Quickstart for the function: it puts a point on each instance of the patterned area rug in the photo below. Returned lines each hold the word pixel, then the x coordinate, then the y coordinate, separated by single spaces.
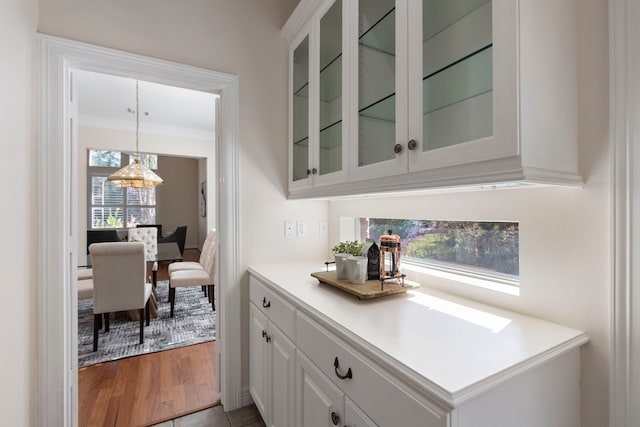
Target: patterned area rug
pixel 193 323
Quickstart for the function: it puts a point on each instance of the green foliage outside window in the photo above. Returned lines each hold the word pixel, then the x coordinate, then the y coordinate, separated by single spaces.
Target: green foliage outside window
pixel 484 246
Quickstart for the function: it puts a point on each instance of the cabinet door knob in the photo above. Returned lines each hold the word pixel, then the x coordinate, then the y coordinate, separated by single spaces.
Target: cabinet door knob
pixel 335 418
pixel 412 144
pixel 397 148
pixel 266 304
pixel 314 171
pixel 336 365
pixel 308 172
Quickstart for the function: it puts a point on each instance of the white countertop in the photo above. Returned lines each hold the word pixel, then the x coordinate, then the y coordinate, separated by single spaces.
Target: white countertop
pixel 457 347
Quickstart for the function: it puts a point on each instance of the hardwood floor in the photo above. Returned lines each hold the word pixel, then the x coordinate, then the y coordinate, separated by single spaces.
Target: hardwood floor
pixel 149 389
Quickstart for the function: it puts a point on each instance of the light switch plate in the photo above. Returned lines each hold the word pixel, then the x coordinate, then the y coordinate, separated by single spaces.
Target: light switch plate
pixel 302 228
pixel 290 229
pixel 324 228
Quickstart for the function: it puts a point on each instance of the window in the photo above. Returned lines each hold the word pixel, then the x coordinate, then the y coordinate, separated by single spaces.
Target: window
pixel 111 206
pixel 478 248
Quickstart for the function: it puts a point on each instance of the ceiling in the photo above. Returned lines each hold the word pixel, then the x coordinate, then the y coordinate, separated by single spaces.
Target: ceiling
pixel 104 100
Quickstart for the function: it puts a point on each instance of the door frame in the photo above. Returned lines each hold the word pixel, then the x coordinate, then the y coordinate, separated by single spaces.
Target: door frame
pixel 624 65
pixel 57 375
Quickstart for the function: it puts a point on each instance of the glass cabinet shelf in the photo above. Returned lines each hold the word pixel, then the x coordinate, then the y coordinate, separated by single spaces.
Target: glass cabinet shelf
pixel 381 34
pixel 331 80
pixel 302 91
pixel 304 142
pixel 383 109
pixel 461 80
pixel 438 15
pixel 330 136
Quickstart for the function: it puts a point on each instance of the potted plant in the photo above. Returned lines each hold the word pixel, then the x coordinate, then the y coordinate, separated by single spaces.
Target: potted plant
pixel 352 248
pixel 342 251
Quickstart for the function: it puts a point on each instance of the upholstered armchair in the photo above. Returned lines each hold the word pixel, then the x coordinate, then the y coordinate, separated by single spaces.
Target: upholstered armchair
pixel 200 277
pixel 119 283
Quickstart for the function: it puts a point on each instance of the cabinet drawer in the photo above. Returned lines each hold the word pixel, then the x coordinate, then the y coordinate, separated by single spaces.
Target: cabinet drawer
pixel 280 312
pixel 374 391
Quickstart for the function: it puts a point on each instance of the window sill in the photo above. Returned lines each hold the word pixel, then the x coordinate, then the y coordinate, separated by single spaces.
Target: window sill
pixel 417 272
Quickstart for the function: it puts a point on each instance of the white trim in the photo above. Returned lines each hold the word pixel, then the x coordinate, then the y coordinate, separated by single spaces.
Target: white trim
pixel 624 62
pixel 57 197
pixel 246 397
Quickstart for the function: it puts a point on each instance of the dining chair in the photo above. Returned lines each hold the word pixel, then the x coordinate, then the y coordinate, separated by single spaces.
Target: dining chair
pixel 148 236
pixel 99 236
pixel 85 273
pixel 85 289
pixel 156 226
pixel 119 283
pixel 179 236
pixel 201 277
pixel 195 265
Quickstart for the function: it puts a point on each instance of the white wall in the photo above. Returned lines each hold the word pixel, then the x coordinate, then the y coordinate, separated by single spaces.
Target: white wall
pixel 178 197
pixel 187 203
pixel 239 37
pixel 565 248
pixel 18 20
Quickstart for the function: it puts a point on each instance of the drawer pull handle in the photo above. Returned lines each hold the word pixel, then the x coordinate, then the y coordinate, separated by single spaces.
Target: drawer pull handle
pixel 335 418
pixel 336 365
pixel 266 304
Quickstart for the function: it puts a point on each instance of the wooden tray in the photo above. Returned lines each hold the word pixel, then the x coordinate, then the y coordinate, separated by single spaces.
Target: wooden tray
pixel 369 289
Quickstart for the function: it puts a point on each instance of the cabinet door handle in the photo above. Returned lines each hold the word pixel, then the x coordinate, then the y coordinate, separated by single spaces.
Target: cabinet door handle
pixel 264 333
pixel 336 365
pixel 308 172
pixel 268 338
pixel 266 304
pixel 335 418
pixel 412 145
pixel 314 171
pixel 397 148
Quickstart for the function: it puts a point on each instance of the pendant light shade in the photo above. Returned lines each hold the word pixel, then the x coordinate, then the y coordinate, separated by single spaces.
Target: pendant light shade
pixel 136 174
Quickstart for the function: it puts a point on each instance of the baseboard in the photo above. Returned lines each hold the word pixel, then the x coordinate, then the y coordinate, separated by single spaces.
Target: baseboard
pixel 245 397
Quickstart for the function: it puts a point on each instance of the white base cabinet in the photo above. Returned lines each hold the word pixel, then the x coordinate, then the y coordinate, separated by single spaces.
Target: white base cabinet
pixel 272 367
pixel 323 358
pixel 320 403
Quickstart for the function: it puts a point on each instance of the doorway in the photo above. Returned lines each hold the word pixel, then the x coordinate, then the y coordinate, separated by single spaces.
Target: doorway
pixel 57 222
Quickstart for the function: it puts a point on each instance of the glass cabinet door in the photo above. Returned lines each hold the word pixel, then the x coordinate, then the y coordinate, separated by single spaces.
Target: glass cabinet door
pixel 376 81
pixel 300 111
pixel 330 150
pixel 457 72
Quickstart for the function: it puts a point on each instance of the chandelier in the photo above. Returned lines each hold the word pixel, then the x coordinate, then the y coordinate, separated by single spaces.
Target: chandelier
pixel 136 174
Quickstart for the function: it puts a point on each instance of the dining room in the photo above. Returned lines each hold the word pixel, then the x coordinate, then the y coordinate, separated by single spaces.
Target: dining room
pixel 171 132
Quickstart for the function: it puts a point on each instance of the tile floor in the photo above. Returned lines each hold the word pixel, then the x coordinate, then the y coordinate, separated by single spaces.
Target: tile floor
pixel 217 417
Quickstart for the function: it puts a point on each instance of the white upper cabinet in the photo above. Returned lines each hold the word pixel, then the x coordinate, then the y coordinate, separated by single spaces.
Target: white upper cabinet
pixel 412 94
pixel 318 154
